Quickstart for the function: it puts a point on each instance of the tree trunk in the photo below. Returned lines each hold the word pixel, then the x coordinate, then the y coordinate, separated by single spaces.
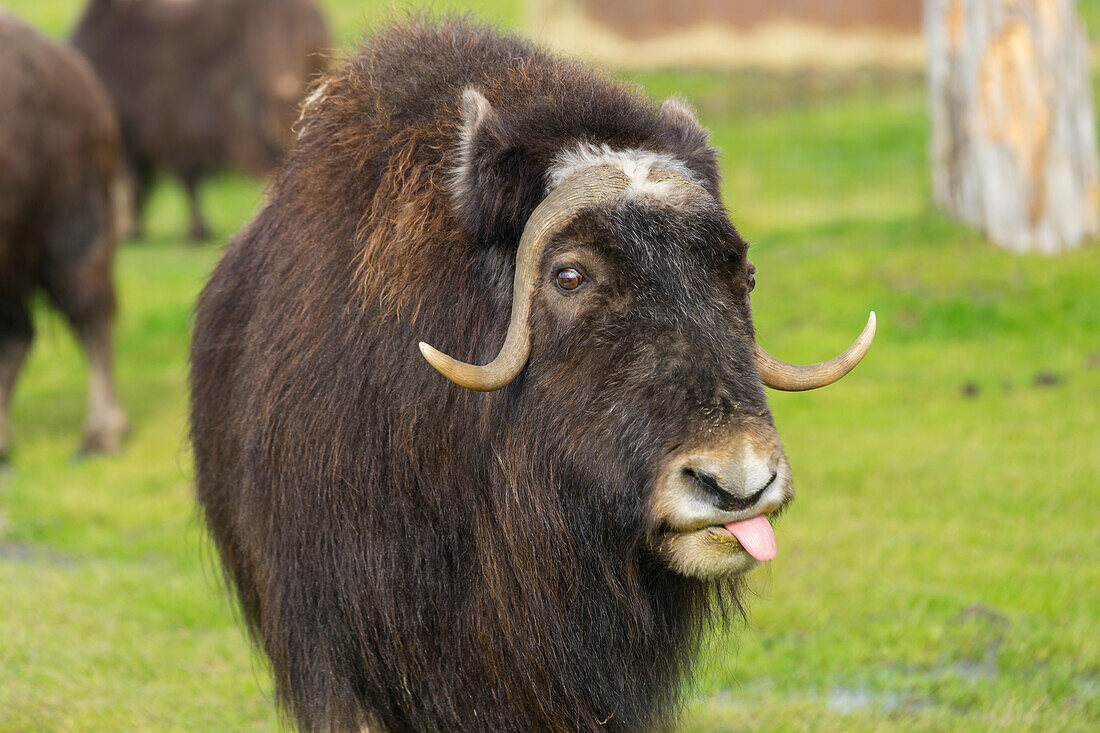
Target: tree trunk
pixel 1013 130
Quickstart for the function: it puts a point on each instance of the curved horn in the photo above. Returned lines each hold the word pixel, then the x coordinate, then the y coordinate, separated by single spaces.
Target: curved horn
pixel 792 378
pixel 586 188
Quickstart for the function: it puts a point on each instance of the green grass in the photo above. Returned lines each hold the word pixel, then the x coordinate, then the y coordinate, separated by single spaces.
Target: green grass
pixel 940 569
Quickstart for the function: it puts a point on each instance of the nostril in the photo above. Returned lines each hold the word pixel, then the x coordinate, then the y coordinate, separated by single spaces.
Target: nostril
pixel 725 499
pixel 708 481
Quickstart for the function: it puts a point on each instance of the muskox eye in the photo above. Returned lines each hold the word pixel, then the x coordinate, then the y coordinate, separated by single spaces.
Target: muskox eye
pixel 569 279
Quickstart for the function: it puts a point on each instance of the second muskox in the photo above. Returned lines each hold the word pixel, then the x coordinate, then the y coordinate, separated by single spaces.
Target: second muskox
pixel 60 160
pixel 536 544
pixel 203 85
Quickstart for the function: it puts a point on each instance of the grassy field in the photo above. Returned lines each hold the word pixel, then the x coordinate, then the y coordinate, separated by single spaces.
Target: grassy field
pixel 940 569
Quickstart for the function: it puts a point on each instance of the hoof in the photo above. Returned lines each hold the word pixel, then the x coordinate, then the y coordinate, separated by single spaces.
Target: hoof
pixel 105 438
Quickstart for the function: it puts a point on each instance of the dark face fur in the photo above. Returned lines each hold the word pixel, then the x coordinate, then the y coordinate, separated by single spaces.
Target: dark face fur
pixel 641 378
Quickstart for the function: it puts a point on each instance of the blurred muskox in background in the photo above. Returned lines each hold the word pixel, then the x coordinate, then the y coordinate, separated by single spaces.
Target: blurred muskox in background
pixel 203 85
pixel 60 160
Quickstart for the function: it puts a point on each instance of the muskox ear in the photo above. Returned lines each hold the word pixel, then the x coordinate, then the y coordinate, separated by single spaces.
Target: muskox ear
pixel 689 138
pixel 477 136
pixel 677 118
pixel 494 185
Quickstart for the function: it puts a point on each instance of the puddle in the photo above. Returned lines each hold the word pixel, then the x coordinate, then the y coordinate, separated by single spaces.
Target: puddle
pixel 971 671
pixel 979 612
pixel 28 555
pixel 842 699
pixel 905 682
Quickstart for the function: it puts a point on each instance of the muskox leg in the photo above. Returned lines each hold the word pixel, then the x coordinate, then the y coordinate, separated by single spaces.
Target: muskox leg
pixel 83 292
pixel 106 426
pixel 143 177
pixel 199 231
pixel 15 340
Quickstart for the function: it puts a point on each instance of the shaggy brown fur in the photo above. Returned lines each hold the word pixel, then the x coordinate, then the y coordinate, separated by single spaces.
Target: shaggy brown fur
pixel 202 85
pixel 416 556
pixel 59 159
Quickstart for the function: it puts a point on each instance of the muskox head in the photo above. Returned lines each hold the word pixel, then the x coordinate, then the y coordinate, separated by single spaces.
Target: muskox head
pixel 630 357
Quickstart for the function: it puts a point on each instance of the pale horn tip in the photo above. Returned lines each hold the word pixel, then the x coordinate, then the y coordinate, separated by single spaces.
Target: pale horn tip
pixel 485 378
pixel 442 363
pixel 855 353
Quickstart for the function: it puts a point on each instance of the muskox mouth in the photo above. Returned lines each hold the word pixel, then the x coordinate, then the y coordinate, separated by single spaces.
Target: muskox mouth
pixel 755 536
pixel 723 549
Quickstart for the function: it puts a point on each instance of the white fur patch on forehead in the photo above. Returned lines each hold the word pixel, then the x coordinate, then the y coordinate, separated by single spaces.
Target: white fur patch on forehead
pixel 634 162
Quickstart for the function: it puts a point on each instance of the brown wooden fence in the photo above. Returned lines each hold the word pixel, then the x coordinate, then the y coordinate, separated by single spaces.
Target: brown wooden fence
pixel 734 32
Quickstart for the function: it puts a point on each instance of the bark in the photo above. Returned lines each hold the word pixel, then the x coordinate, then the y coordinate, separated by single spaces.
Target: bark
pixel 1013 128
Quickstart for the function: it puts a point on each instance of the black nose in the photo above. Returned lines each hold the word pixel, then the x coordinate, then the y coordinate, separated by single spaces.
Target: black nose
pixel 727 498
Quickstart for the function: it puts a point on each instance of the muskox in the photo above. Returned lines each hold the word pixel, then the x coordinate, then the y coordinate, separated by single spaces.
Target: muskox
pixel 60 156
pixel 536 543
pixel 203 85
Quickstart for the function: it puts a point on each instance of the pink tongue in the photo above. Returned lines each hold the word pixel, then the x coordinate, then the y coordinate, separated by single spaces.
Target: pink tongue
pixel 756 536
